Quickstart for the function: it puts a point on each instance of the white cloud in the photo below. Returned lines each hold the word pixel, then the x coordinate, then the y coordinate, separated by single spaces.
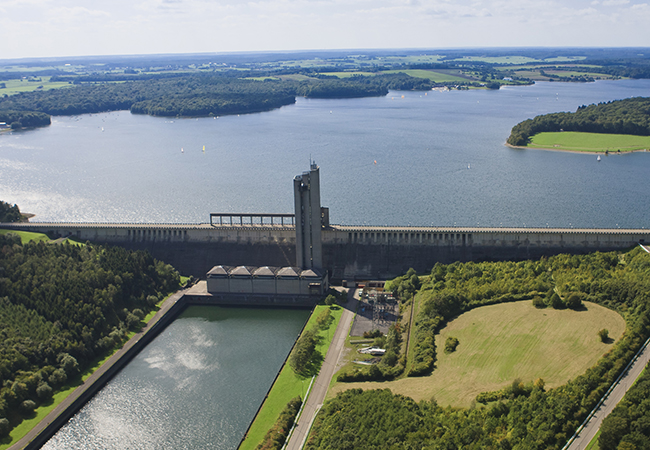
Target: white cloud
pixel 73 27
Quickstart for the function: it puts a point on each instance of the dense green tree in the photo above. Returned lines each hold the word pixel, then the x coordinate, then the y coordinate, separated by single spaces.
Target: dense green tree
pixel 527 416
pixel 61 306
pixel 628 116
pixel 9 213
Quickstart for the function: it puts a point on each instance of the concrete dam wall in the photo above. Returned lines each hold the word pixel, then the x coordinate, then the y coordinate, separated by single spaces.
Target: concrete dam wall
pixel 348 251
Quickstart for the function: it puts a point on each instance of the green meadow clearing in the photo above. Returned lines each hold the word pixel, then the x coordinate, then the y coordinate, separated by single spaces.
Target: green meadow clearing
pixel 589 142
pixel 500 343
pixel 435 76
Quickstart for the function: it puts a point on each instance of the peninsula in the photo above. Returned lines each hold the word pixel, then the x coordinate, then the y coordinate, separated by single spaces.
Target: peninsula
pixel 618 126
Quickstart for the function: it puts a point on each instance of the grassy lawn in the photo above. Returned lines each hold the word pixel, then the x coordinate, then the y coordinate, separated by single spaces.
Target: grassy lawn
pixel 288 384
pixel 499 343
pixel 27 236
pixel 589 142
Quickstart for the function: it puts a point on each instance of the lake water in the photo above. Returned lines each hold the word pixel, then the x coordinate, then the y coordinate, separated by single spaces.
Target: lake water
pixel 440 160
pixel 196 386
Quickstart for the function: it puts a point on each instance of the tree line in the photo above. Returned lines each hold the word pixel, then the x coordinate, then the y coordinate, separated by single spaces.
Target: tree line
pixel 61 307
pixel 628 116
pixel 191 95
pixel 9 213
pixel 525 414
pixel 24 119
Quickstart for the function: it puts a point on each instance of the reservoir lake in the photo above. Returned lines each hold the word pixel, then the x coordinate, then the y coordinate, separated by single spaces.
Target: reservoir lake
pixel 440 160
pixel 409 158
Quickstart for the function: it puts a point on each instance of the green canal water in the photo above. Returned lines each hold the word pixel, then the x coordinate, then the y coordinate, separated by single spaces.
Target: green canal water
pixel 198 385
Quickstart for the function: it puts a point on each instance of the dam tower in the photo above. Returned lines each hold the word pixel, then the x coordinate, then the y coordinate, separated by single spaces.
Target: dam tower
pixel 310 218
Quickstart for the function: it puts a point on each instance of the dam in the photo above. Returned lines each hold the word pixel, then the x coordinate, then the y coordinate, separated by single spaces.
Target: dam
pixel 348 252
pixel 306 240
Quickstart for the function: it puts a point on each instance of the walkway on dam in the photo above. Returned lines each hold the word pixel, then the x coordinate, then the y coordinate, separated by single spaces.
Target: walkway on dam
pixel 319 389
pixel 88 384
pixel 586 434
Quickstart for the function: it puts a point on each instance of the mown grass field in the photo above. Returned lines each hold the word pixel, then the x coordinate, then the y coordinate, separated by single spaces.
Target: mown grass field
pixel 590 142
pixel 435 76
pixel 500 343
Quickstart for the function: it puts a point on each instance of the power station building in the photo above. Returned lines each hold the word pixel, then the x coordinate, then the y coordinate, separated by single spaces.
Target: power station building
pixel 307 278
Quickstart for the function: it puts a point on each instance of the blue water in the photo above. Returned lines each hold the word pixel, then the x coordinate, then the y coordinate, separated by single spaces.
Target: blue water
pixel 440 160
pixel 196 386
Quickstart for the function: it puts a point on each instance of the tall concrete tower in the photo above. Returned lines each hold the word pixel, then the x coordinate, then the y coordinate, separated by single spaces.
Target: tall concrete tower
pixel 306 191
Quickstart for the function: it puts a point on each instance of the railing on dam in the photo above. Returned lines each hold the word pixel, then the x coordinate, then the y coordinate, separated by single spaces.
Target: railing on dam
pixel 241 219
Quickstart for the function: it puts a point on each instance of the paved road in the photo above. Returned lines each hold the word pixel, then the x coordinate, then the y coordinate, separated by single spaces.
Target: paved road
pixel 589 431
pixel 95 376
pixel 319 389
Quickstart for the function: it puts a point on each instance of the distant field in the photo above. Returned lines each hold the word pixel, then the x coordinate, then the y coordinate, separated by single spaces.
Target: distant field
pixel 435 76
pixel 589 142
pixel 499 343
pixel 349 74
pixel 16 86
pixel 499 59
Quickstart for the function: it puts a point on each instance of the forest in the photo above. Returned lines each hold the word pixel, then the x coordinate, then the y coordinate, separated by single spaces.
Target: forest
pixel 191 95
pixel 9 213
pixel 628 426
pixel 527 416
pixel 628 116
pixel 24 119
pixel 63 306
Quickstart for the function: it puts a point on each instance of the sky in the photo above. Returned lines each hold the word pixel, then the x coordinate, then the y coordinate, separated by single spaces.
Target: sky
pixel 49 28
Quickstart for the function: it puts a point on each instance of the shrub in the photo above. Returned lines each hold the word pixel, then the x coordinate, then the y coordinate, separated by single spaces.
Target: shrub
pixel 603 335
pixel 303 352
pixel 44 391
pixel 450 344
pixel 372 334
pixel 556 301
pixel 574 301
pixel 277 435
pixel 4 427
pixel 324 319
pixel 538 302
pixel 27 407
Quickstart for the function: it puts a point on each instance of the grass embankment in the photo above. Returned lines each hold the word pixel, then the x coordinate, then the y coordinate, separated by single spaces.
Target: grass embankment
pixel 574 141
pixel 42 411
pixel 289 384
pixel 500 343
pixel 27 236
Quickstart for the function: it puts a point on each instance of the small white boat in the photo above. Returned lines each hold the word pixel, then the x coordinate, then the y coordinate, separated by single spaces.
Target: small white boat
pixel 598 159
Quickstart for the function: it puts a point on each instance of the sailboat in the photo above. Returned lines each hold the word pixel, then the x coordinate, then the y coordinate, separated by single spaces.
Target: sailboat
pixel 204 149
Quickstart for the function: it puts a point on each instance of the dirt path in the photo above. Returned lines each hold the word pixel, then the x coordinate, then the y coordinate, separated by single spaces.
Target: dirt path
pixel 319 389
pixel 61 408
